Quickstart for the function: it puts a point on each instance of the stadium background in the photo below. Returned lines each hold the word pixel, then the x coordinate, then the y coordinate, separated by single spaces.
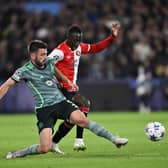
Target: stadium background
pixel 107 78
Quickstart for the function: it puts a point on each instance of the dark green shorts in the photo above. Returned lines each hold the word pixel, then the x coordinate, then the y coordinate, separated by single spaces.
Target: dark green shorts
pixel 47 116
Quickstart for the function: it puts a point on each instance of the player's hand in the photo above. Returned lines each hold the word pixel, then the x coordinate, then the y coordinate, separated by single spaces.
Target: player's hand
pixel 115 28
pixel 74 87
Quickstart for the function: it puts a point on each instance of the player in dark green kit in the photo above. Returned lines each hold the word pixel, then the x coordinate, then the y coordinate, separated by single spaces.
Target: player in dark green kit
pixel 51 105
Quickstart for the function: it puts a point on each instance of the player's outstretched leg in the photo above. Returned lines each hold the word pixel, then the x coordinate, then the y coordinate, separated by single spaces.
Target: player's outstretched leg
pixel 33 149
pixel 79 118
pixel 45 137
pixel 101 131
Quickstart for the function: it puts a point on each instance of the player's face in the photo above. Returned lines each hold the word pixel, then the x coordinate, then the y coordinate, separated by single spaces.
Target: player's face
pixel 39 57
pixel 74 40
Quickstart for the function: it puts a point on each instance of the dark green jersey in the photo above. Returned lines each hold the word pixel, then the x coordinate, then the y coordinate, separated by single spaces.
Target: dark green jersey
pixel 42 83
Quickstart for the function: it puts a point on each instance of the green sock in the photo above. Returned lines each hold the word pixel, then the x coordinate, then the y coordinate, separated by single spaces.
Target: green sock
pixel 27 151
pixel 100 131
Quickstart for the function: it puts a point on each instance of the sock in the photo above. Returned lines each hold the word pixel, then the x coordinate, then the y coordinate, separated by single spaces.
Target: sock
pixel 79 130
pixel 100 131
pixel 63 130
pixel 27 151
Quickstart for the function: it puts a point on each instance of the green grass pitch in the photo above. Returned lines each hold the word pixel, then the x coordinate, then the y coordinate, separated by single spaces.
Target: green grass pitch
pixel 19 131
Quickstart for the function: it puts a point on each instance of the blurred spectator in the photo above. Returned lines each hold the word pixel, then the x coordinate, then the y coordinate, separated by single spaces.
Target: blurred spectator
pixel 142 49
pixel 144 34
pixel 164 87
pixel 144 89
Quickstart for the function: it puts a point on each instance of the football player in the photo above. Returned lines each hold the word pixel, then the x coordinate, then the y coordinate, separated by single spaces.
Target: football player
pixel 68 55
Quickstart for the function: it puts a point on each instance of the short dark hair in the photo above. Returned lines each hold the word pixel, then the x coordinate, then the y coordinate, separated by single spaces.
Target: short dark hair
pixel 74 29
pixel 34 45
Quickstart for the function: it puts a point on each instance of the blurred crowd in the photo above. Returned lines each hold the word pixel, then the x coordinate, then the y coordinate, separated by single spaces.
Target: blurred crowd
pixel 143 38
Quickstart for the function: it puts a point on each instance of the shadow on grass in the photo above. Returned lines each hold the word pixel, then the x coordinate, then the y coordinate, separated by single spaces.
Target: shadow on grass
pixel 108 155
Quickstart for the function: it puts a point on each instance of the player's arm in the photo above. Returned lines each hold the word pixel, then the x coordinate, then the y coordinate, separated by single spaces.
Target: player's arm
pixel 58 55
pixel 101 45
pixel 60 76
pixel 6 86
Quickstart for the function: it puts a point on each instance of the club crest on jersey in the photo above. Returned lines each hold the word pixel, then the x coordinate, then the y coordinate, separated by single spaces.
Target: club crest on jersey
pixel 78 53
pixel 49 82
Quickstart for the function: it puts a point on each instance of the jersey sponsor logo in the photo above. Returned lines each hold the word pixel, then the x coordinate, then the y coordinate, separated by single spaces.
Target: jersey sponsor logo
pixel 49 82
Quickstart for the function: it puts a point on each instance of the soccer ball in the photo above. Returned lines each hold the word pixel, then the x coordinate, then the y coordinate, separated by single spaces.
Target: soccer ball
pixel 155 131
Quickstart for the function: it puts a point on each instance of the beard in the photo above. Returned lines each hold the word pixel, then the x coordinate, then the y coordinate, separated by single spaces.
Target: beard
pixel 39 64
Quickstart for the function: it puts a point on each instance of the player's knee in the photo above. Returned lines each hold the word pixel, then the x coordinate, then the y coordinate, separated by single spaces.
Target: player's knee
pixel 78 118
pixel 83 122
